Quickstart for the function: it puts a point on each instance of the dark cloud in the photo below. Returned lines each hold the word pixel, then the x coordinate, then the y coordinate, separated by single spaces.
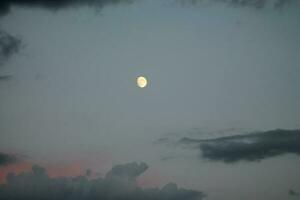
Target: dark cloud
pixel 243 3
pixel 118 184
pixel 248 147
pixel 5 5
pixel 5 77
pixel 9 45
pixel 128 171
pixel 88 173
pixel 6 159
pixel 293 193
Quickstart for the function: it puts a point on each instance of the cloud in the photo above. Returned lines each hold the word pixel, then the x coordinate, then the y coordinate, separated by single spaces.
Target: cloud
pixel 247 147
pixel 5 5
pixel 129 171
pixel 293 193
pixel 5 77
pixel 244 3
pixel 7 159
pixel 9 45
pixel 118 184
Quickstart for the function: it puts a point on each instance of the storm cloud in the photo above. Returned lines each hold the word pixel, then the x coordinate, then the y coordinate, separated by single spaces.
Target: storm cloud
pixel 245 3
pixel 6 159
pixel 247 147
pixel 5 5
pixel 118 184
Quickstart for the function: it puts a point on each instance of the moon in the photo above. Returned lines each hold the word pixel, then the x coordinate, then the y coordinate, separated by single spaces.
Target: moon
pixel 141 81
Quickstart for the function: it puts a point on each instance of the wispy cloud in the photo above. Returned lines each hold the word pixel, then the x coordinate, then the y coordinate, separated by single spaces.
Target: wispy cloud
pixel 243 3
pixel 118 184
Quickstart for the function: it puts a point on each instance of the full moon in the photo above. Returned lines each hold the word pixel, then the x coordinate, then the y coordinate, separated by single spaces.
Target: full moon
pixel 141 81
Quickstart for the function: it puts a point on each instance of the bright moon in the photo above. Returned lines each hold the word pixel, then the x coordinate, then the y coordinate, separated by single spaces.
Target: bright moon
pixel 141 82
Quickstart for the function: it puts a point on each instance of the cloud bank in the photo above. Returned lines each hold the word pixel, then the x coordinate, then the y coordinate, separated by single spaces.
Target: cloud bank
pixel 7 159
pixel 248 147
pixel 118 184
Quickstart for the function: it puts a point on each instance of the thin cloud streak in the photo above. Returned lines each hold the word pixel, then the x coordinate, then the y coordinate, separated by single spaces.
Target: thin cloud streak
pixel 243 3
pixel 5 5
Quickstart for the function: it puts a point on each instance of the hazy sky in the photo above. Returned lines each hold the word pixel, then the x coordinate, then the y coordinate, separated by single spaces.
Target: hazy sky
pixel 214 70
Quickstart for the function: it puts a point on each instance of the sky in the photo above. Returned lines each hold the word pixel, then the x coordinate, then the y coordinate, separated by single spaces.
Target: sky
pixel 219 118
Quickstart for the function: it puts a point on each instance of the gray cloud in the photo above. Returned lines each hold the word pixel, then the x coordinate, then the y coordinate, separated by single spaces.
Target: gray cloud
pixel 118 184
pixel 248 147
pixel 5 77
pixel 293 193
pixel 5 5
pixel 6 159
pixel 129 171
pixel 9 45
pixel 243 3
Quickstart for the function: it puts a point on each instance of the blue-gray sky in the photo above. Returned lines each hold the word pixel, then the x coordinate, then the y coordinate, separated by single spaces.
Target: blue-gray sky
pixel 70 90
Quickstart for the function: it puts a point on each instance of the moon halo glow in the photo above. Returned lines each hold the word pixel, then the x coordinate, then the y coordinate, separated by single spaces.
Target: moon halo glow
pixel 141 81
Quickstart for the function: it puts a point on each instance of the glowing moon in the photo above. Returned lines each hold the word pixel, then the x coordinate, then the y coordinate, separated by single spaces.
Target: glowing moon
pixel 141 81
